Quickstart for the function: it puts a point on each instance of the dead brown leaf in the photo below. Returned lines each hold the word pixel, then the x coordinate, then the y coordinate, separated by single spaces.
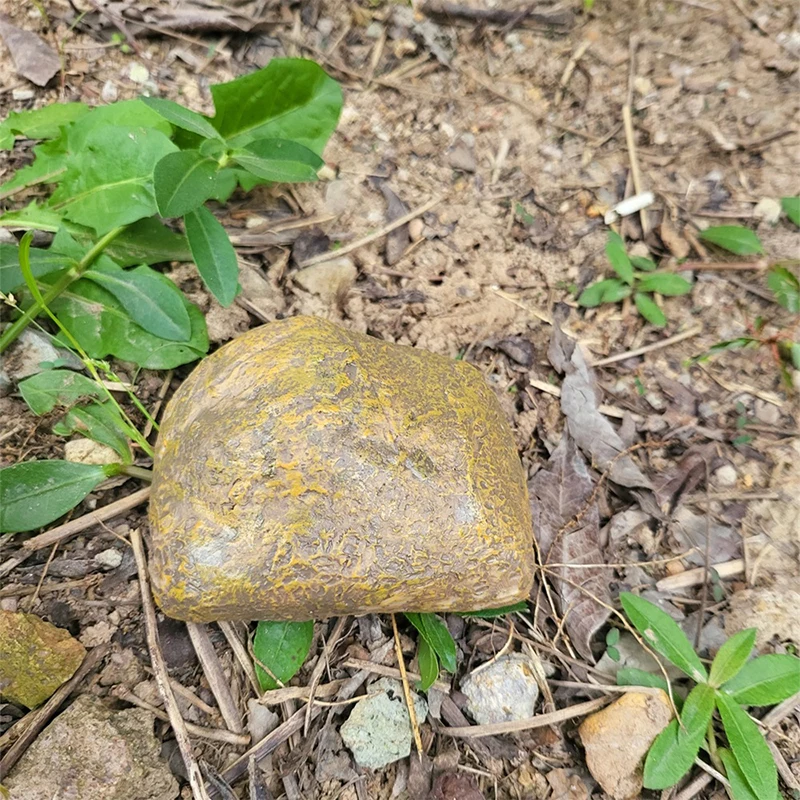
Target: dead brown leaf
pixel 33 58
pixel 580 403
pixel 559 493
pixel 398 240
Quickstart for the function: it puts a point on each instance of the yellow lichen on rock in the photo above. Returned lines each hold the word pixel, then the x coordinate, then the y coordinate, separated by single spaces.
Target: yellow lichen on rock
pixel 305 471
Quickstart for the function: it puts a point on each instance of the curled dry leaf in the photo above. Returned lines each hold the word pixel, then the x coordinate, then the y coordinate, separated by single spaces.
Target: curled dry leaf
pixel 559 493
pixel 580 403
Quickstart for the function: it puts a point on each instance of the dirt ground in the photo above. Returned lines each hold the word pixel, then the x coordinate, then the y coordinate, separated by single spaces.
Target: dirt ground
pixel 516 130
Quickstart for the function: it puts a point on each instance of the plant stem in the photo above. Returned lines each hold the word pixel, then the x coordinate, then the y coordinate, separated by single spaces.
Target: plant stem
pixel 69 277
pixel 137 472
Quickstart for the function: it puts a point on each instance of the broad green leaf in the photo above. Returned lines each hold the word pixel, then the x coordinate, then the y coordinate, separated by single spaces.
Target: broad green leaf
pixel 428 665
pixel 32 217
pixel 41 123
pixel 49 165
pixel 35 493
pixel 103 327
pixel 100 422
pixel 183 181
pixel 110 182
pixel 740 788
pixel 490 613
pixel 211 148
pixel 644 264
pixel 282 647
pixel 649 309
pixel 214 255
pixel 279 160
pixel 182 117
pixel 785 287
pixel 631 676
pixel 794 354
pixel 765 681
pixel 791 207
pixel 667 283
pixel 662 633
pixel 146 241
pixel 748 746
pixel 732 657
pixel 152 301
pixel 57 387
pixel 615 250
pixel 610 290
pixel 128 114
pixel 291 98
pixel 675 749
pixel 43 262
pixel 734 239
pixel 670 757
pixel 435 632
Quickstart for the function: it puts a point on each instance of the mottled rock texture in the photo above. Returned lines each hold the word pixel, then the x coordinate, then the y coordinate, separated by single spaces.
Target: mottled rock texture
pixel 305 471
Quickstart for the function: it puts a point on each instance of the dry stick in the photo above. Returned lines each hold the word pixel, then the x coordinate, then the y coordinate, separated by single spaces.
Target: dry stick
pixel 635 174
pixel 389 672
pixel 213 734
pixel 161 674
pixel 319 667
pixel 36 720
pixel 781 711
pixel 695 787
pixel 570 68
pixel 379 234
pixel 648 348
pixel 608 411
pixel 697 577
pixel 725 266
pixel 412 714
pixel 209 661
pixel 240 652
pixel 274 697
pixel 540 721
pixel 783 768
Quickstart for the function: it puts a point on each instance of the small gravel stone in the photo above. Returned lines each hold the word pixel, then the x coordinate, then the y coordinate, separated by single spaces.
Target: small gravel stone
pixel 503 691
pixel 110 558
pixel 725 476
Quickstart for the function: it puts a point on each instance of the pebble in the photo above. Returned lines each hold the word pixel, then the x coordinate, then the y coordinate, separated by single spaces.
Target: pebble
pixel 767 209
pixel 768 413
pixel 725 477
pixel 331 280
pixel 617 739
pixel 138 73
pixel 260 720
pixel 503 691
pixel 378 731
pixel 110 558
pixel 90 751
pixel 23 94
pixel 86 451
pixel 109 92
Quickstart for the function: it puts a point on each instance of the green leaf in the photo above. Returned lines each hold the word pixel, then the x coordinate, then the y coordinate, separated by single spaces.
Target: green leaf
pixel 428 665
pixel 291 98
pixel 631 676
pixel 32 217
pixel 282 647
pixel 435 633
pixel 43 262
pixel 615 250
pixel 182 117
pixel 127 114
pixel 734 239
pixel 732 344
pixel 41 123
pixel 490 613
pixel 57 387
pixel 791 207
pixel 667 283
pixel 748 746
pixel 675 749
pixel 279 160
pixel 35 493
pixel 740 788
pixel 732 657
pixel 794 355
pixel 146 241
pixel 110 182
pixel 662 633
pixel 214 255
pixel 649 309
pixel 100 422
pixel 152 301
pixel 644 264
pixel 49 165
pixel 765 681
pixel 183 181
pixel 610 290
pixel 785 287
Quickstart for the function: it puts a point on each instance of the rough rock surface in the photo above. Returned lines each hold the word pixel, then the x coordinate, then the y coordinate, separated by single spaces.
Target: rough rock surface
pixel 305 471
pixel 503 691
pixel 617 739
pixel 35 658
pixel 90 751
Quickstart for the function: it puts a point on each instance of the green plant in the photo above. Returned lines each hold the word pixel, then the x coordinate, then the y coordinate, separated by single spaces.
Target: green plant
pixel 785 286
pixel 637 276
pixel 732 684
pixel 115 174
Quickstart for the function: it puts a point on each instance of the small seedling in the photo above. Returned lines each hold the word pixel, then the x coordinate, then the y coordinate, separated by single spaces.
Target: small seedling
pixel 612 638
pixel 731 685
pixel 638 277
pixel 785 286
